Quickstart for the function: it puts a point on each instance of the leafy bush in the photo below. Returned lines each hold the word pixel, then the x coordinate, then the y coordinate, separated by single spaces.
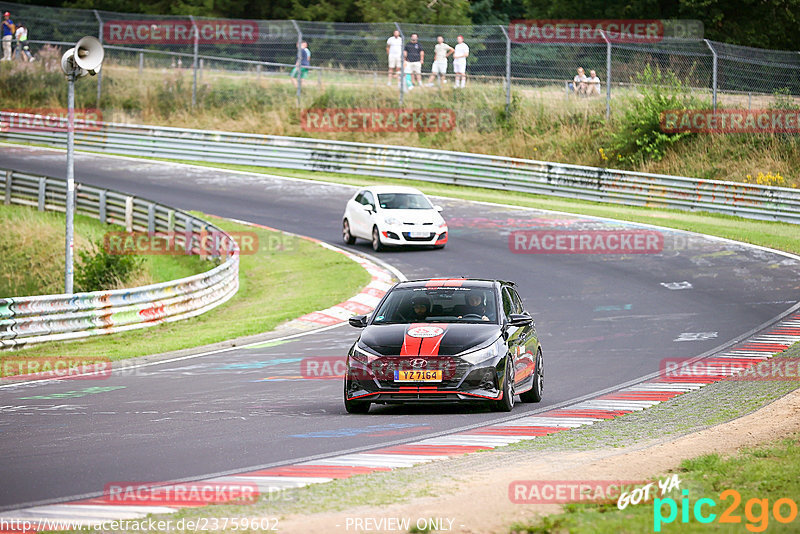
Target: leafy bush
pixel 99 270
pixel 638 137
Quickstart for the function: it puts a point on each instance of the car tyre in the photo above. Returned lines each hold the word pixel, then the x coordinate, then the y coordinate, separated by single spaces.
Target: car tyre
pixel 506 404
pixel 377 246
pixel 354 406
pixel 346 235
pixel 535 393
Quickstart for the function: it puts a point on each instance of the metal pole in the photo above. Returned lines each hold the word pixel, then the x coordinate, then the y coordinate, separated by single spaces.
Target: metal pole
pixel 713 75
pixel 141 62
pixel 608 75
pixel 194 62
pixel 402 63
pixel 70 200
pixel 299 69
pixel 99 74
pixel 508 69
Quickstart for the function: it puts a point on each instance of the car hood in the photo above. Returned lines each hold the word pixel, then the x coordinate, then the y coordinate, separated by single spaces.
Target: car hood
pixel 414 216
pixel 428 339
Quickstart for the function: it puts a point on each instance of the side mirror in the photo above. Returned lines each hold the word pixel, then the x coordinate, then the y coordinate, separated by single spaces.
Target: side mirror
pixel 438 208
pixel 370 208
pixel 359 321
pixel 520 319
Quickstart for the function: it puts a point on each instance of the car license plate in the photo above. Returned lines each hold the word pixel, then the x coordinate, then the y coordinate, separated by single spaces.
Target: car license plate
pixel 419 234
pixel 418 376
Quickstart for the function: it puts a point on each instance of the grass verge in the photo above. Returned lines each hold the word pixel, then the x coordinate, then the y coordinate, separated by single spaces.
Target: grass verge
pixel 756 480
pixel 32 252
pixel 277 283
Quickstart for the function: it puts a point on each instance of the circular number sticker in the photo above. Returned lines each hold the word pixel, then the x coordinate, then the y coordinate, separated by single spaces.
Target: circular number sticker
pixel 425 331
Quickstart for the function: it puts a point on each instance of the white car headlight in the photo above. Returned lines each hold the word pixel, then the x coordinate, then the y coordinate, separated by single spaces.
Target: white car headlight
pixel 391 220
pixel 478 356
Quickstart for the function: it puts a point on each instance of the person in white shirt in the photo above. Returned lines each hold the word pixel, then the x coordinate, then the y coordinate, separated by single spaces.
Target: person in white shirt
pixel 394 50
pixel 460 61
pixel 593 83
pixel 440 53
pixel 22 43
pixel 580 82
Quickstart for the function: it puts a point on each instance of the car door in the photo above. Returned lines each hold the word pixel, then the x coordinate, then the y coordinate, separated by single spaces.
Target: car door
pixel 361 215
pixel 527 343
pixel 517 338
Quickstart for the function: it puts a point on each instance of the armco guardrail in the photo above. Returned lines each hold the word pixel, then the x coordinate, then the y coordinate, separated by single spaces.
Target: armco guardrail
pixel 458 168
pixel 35 319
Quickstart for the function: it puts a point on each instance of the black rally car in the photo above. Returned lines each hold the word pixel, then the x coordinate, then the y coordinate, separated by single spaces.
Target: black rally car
pixel 445 340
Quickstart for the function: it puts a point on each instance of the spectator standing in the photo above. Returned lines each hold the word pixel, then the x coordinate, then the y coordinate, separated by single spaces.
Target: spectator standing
pixel 580 82
pixel 460 61
pixel 301 65
pixel 22 43
pixel 440 54
pixel 8 35
pixel 394 51
pixel 415 55
pixel 593 83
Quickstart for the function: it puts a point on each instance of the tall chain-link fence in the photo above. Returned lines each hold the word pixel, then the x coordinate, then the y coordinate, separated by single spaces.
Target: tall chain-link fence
pixel 355 54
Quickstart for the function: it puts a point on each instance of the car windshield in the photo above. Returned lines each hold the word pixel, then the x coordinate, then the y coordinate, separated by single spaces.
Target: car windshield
pixel 438 305
pixel 403 201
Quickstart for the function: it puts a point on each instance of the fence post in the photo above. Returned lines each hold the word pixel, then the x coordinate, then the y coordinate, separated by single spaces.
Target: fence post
pixel 141 62
pixel 713 75
pixel 508 69
pixel 402 63
pixel 298 66
pixel 258 70
pixel 200 70
pixel 608 74
pixel 194 61
pixel 99 74
pixel 9 175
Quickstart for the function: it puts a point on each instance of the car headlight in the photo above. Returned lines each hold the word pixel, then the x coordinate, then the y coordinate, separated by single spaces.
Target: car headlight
pixel 363 356
pixel 391 220
pixel 479 356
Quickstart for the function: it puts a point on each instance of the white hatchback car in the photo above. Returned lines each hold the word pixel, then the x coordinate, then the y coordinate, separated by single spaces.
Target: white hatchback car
pixel 393 216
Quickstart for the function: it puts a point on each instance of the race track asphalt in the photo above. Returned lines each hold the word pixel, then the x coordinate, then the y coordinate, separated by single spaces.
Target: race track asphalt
pixel 603 319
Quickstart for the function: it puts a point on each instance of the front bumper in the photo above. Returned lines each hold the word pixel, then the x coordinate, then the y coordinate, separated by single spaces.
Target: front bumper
pixel 461 381
pixel 422 235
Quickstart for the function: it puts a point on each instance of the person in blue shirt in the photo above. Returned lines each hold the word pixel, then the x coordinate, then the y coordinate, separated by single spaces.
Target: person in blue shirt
pixel 302 64
pixel 8 35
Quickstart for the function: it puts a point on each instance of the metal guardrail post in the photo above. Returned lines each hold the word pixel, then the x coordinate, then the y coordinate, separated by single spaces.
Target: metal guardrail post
pixel 194 61
pixel 9 178
pixel 99 74
pixel 508 69
pixel 171 221
pixel 187 235
pixel 101 200
pixel 713 75
pixel 299 66
pixel 151 218
pixel 129 214
pixel 402 63
pixel 42 191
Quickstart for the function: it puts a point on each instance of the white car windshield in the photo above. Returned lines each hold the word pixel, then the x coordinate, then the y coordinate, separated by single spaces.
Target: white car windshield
pixel 403 201
pixel 438 305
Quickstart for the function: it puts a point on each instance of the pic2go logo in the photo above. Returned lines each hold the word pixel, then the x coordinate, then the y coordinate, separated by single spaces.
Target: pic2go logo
pixel 756 511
